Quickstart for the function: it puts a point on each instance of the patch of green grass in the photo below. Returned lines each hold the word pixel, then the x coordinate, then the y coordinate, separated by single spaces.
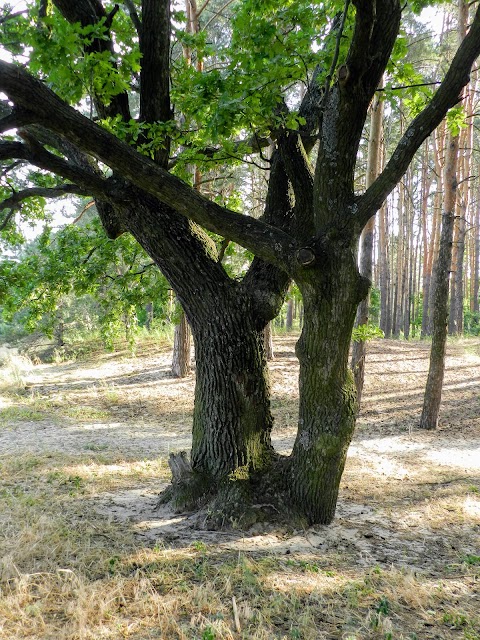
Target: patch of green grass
pixel 110 393
pixel 72 482
pixel 19 414
pixel 93 446
pixel 455 620
pixel 84 413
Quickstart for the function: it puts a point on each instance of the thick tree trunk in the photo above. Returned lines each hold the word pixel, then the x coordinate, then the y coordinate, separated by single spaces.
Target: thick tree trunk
pixel 327 389
pixel 232 420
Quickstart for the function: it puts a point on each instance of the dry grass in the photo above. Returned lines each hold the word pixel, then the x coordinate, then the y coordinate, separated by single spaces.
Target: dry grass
pixel 401 561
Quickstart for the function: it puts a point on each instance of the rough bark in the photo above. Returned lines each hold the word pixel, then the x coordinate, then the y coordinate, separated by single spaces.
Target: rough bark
pixel 155 71
pixel 232 420
pixel 327 390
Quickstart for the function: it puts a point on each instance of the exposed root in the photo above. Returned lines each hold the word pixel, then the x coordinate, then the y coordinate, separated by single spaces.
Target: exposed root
pixel 241 501
pixel 189 490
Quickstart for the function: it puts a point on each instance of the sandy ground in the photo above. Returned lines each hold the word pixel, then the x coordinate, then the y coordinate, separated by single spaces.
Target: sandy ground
pixel 407 497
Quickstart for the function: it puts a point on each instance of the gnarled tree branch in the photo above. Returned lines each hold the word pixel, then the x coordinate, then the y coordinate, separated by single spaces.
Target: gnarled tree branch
pixel 36 155
pixel 300 174
pixel 53 113
pixel 16 199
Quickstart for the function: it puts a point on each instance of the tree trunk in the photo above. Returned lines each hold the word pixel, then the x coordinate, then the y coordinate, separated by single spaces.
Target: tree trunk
pixel 327 389
pixel 290 314
pixel 438 143
pixel 385 283
pixel 433 391
pixel 463 201
pixel 268 338
pixel 59 331
pixel 476 261
pixel 232 420
pixel 456 308
pixel 181 349
pixel 399 297
pixel 427 257
pixel 359 348
pixel 408 261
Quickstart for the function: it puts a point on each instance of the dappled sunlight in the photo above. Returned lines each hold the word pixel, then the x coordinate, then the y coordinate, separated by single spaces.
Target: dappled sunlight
pixel 471 507
pixel 466 456
pixel 86 548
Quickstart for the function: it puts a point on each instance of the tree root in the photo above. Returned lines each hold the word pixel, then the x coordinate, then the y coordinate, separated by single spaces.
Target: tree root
pixel 189 490
pixel 241 501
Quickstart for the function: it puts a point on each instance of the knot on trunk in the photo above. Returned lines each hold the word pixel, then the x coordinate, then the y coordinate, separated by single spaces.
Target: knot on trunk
pixel 306 256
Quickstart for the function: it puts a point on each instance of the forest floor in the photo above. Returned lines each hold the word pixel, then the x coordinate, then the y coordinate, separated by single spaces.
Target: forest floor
pixel 84 554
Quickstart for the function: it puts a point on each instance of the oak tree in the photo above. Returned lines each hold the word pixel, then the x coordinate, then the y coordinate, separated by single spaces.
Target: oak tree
pixel 125 143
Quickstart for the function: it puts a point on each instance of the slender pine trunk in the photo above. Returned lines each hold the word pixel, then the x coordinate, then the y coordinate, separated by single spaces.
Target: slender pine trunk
pixel 476 262
pixel 433 390
pixel 359 348
pixel 383 254
pixel 268 339
pixel 181 365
